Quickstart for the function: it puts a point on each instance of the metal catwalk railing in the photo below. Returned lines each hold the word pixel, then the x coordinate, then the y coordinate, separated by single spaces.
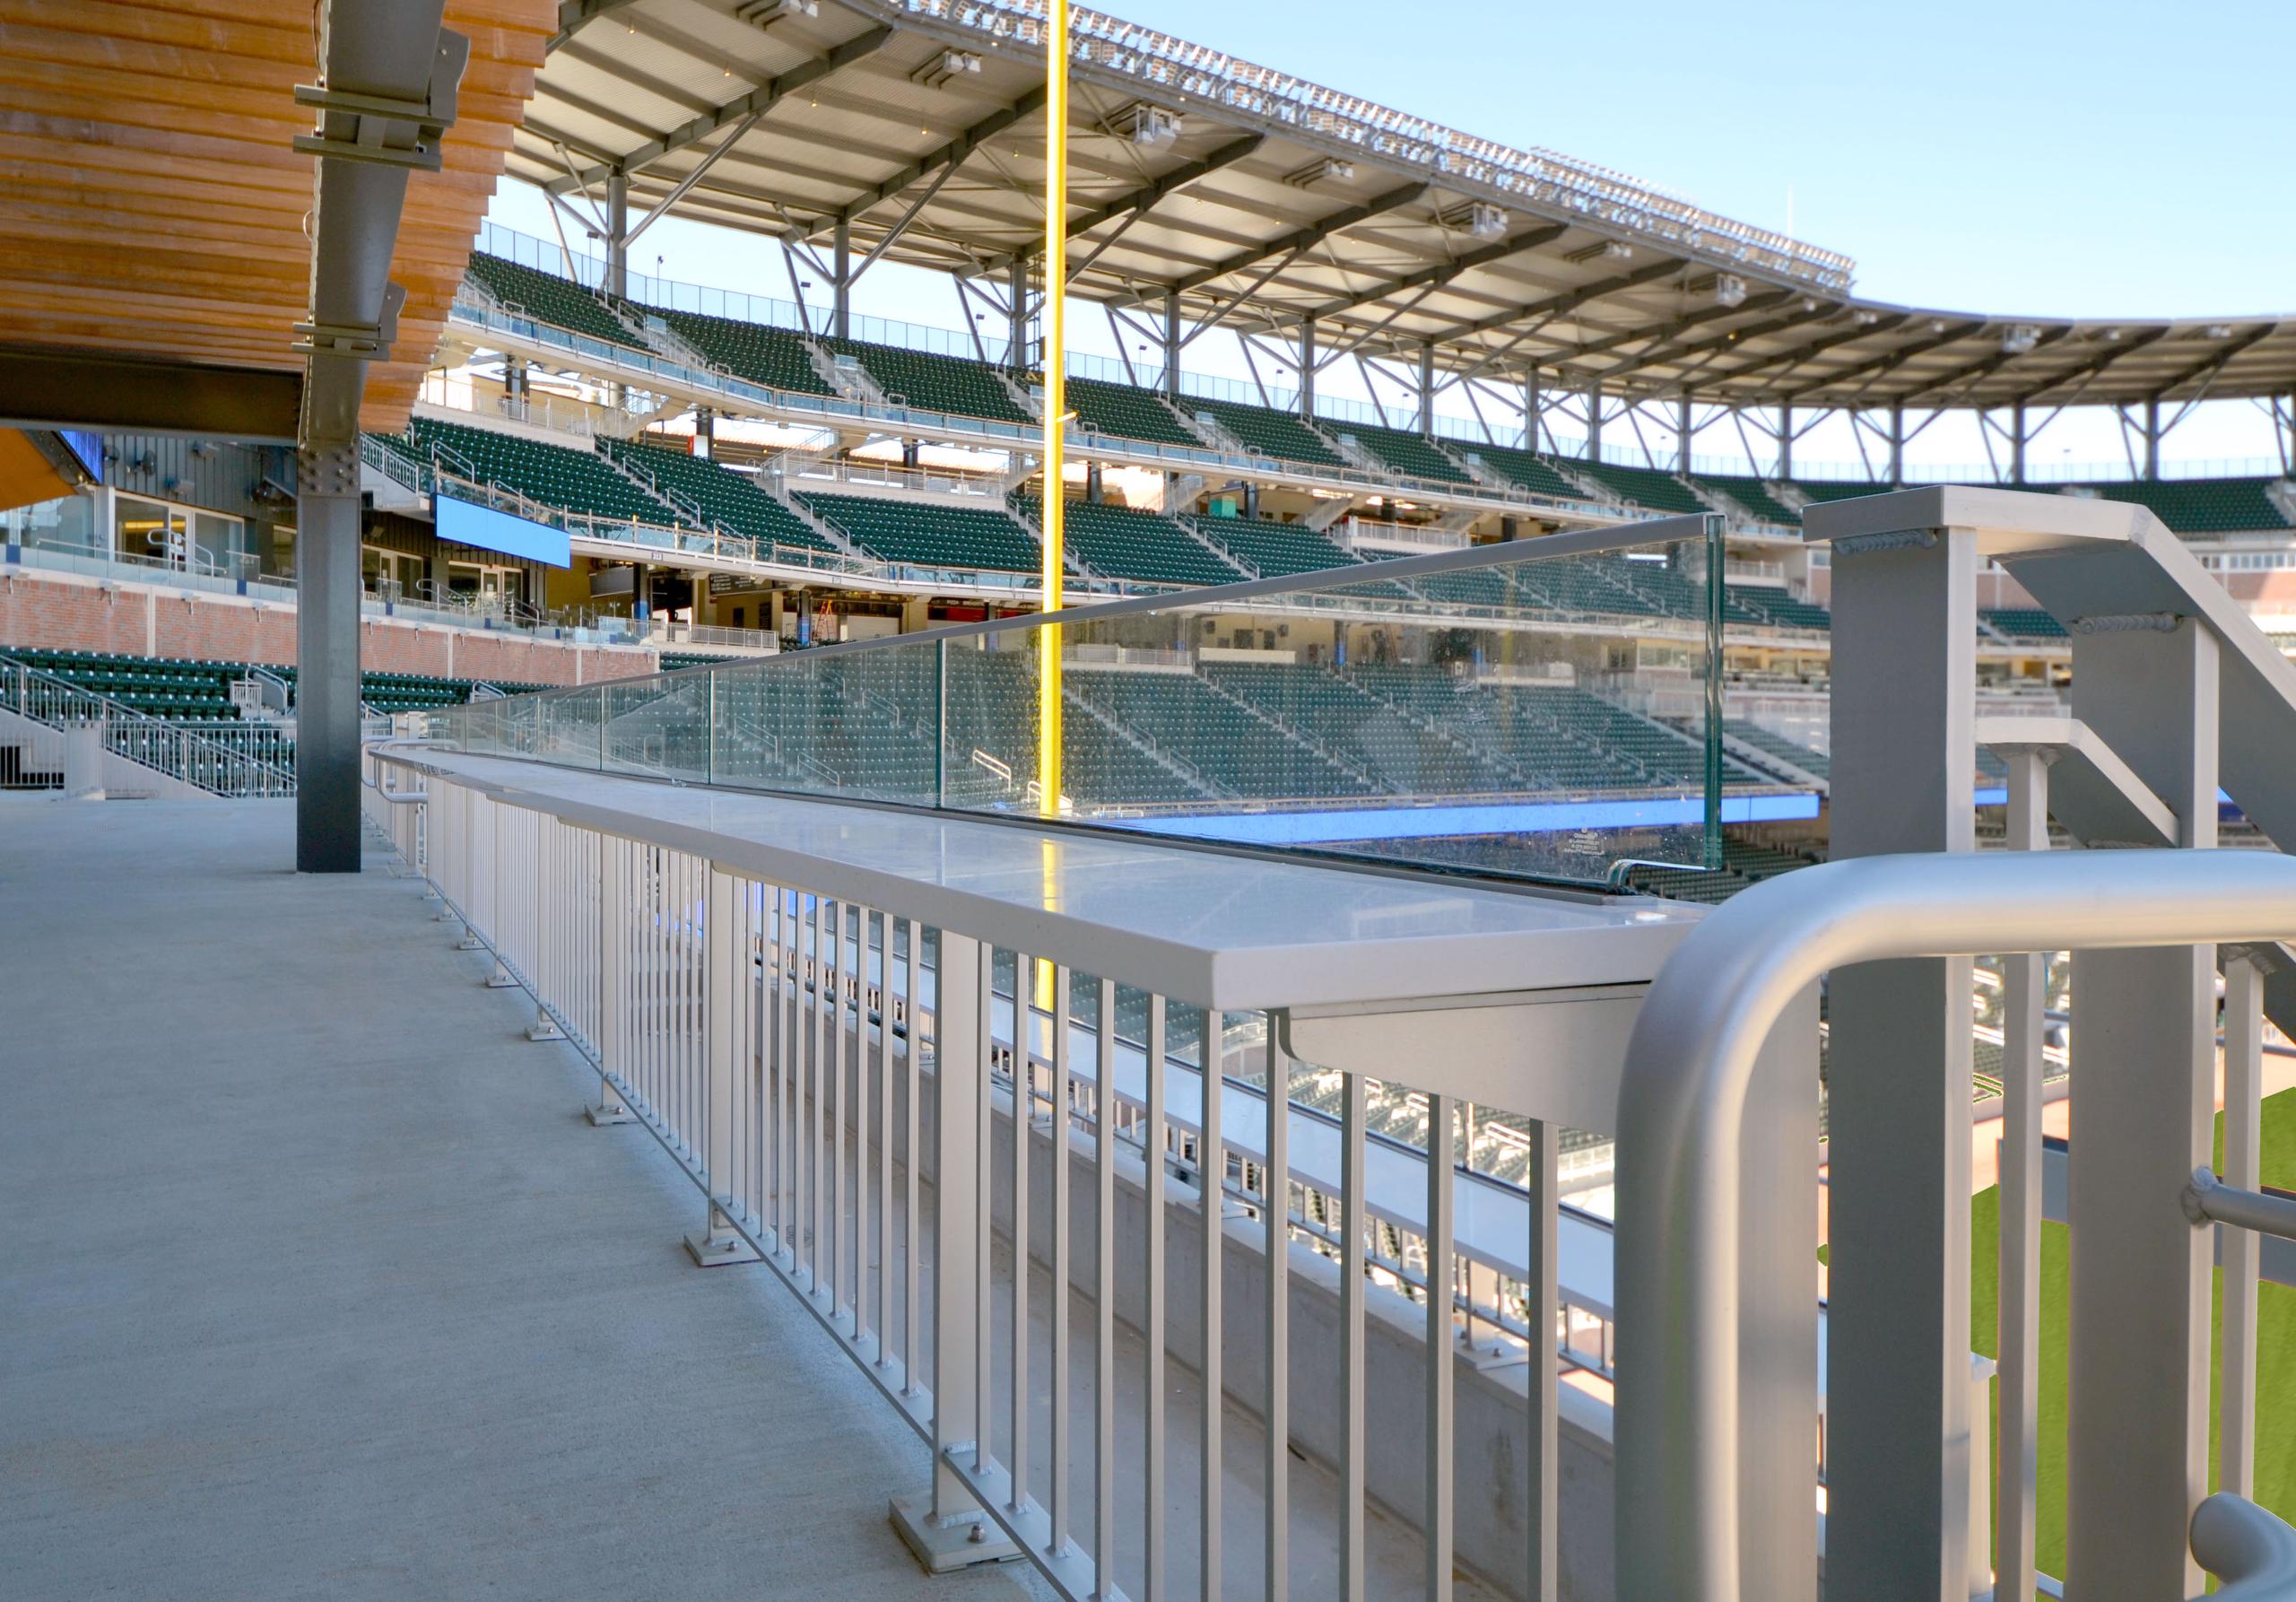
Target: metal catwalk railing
pixel 747 1021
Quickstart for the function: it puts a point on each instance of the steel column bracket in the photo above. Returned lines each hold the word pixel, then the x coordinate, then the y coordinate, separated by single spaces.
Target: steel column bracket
pixel 386 129
pixel 358 342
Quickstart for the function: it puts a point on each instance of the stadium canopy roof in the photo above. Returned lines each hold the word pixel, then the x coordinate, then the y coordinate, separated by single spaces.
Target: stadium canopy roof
pixel 158 210
pixel 1276 201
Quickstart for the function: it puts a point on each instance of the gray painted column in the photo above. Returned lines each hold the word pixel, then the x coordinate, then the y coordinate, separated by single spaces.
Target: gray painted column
pixel 1898 1431
pixel 2145 1024
pixel 2152 438
pixel 842 282
pixel 2017 443
pixel 1682 436
pixel 1595 420
pixel 1427 391
pixel 1897 442
pixel 705 428
pixel 1308 369
pixel 1016 315
pixel 1785 441
pixel 326 660
pixel 1171 345
pixel 618 232
pixel 1531 409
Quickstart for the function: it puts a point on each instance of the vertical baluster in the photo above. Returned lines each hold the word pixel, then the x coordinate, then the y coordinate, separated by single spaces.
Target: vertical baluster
pixel 817 1258
pixel 769 1077
pixel 1353 1445
pixel 1442 1122
pixel 884 1077
pixel 2242 1250
pixel 2023 1002
pixel 793 1055
pixel 985 1046
pixel 1277 1215
pixel 1544 1295
pixel 1104 1293
pixel 1059 1260
pixel 916 1003
pixel 1024 1075
pixel 839 1287
pixel 1212 1178
pixel 862 1079
pixel 1152 1143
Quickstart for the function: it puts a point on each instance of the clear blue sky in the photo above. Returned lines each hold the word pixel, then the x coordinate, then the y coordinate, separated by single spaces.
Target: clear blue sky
pixel 2050 157
pixel 2070 157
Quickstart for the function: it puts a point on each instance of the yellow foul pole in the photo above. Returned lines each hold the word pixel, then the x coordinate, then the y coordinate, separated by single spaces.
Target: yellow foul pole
pixel 1056 395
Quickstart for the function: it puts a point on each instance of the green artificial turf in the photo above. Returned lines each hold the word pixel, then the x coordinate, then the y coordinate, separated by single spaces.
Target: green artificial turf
pixel 2276 1344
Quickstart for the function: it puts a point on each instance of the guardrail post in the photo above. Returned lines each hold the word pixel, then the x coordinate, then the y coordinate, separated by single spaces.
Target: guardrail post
pixel 2144 1027
pixel 1899 1432
pixel 724 965
pixel 945 1526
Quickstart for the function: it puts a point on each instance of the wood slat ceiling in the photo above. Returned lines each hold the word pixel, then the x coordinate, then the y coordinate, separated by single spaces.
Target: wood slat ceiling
pixel 154 204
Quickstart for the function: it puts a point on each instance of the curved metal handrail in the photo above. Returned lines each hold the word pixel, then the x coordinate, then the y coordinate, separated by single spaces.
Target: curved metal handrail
pixel 1683 1100
pixel 2251 1551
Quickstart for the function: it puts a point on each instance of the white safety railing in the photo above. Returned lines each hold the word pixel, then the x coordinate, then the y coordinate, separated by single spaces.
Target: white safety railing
pixel 1685 1425
pixel 839 1076
pixel 221 759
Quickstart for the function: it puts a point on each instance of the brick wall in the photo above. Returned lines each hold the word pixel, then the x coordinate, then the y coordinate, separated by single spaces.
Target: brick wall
pixel 65 612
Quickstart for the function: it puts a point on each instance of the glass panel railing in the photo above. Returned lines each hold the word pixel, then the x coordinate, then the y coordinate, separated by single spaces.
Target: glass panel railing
pixel 1543 709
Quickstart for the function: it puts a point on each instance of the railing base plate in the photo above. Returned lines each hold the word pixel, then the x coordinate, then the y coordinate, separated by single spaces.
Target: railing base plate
pixel 543 1029
pixel 945 1548
pixel 604 1117
pixel 719 1251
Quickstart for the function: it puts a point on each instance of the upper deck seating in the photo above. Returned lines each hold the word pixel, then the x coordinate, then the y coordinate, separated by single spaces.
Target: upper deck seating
pixel 934 383
pixel 1125 413
pixel 548 299
pixel 731 497
pixel 1119 543
pixel 1406 453
pixel 763 354
pixel 1263 429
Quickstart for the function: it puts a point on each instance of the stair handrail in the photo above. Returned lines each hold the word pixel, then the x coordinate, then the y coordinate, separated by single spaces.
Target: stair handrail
pixel 190 753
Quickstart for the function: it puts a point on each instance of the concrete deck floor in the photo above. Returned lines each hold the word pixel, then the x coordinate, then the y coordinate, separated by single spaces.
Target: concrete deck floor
pixel 314 1282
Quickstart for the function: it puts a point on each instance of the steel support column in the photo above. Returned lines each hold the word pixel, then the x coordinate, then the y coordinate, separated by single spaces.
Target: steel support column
pixel 2017 443
pixel 1427 391
pixel 841 281
pixel 1899 1431
pixel 617 239
pixel 2152 438
pixel 1785 442
pixel 2145 1021
pixel 1016 316
pixel 1172 346
pixel 1682 436
pixel 1308 369
pixel 1595 420
pixel 326 656
pixel 1897 442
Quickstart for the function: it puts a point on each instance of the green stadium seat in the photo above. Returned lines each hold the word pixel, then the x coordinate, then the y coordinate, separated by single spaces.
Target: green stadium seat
pixel 547 298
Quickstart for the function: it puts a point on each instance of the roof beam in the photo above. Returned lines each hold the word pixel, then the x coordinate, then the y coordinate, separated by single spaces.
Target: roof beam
pixel 573 13
pixel 1547 311
pixel 75 389
pixel 1442 273
pixel 2214 360
pixel 1985 367
pixel 1803 352
pixel 1886 364
pixel 1304 238
pixel 2094 365
pixel 1670 343
pixel 1139 200
pixel 756 102
pixel 950 154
